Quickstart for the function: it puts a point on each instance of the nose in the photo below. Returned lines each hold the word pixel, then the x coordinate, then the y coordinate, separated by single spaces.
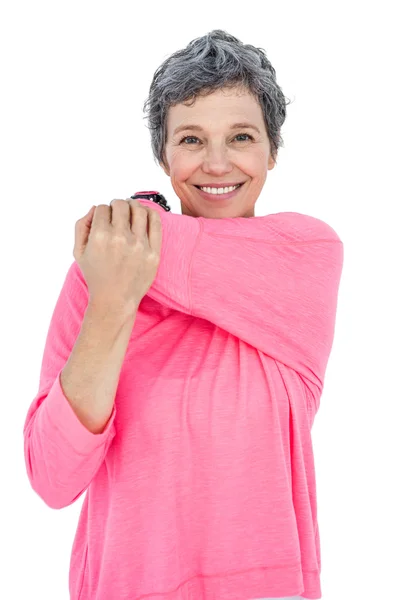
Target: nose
pixel 216 160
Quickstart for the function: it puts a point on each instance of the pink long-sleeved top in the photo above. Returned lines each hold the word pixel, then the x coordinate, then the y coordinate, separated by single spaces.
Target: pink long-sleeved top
pixel 202 485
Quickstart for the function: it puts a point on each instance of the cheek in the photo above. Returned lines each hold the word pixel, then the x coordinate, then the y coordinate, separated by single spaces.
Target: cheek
pixel 182 169
pixel 257 166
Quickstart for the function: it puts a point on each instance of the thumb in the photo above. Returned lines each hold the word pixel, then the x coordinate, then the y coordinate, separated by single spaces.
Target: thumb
pixel 88 218
pixel 82 231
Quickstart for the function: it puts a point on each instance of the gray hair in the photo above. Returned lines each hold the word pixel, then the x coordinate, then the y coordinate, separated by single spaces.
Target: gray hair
pixel 216 60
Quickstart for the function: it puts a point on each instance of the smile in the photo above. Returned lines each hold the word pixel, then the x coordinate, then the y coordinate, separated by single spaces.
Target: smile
pixel 216 194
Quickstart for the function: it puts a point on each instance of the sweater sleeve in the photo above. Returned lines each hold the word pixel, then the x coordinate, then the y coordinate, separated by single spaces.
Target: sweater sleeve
pixel 271 281
pixel 61 455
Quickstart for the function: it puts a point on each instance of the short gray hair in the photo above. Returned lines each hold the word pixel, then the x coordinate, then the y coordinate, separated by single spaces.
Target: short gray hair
pixel 216 60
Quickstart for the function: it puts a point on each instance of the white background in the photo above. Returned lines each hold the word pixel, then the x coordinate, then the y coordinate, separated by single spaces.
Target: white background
pixel 74 77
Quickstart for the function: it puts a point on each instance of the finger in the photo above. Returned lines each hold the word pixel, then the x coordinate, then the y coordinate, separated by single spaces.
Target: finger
pixel 139 218
pixel 101 217
pixel 155 231
pixel 120 214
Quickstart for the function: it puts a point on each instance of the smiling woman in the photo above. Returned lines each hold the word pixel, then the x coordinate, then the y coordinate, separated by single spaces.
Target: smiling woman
pixel 185 411
pixel 215 112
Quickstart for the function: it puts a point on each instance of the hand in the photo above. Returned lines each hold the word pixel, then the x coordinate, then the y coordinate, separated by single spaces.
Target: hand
pixel 118 248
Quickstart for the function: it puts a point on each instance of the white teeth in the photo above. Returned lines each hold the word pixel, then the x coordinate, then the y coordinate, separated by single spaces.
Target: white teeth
pixel 217 191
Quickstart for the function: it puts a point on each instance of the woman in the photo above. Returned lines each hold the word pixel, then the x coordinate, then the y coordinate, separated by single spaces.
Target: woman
pixel 185 359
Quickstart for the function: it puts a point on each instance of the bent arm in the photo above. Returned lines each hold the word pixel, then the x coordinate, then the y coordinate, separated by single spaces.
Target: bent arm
pixel 271 281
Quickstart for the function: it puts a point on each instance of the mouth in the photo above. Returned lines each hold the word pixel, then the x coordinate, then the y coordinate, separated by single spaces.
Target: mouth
pixel 217 196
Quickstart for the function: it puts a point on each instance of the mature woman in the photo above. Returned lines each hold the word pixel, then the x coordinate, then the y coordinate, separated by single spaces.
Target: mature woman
pixel 185 359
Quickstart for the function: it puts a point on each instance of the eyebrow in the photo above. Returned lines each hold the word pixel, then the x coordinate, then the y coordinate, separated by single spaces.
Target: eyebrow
pixel 234 126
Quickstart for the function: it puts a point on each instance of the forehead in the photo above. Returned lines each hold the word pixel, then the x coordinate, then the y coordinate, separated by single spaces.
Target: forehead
pixel 218 109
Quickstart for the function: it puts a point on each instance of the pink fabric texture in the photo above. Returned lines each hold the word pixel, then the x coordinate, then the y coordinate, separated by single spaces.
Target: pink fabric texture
pixel 202 486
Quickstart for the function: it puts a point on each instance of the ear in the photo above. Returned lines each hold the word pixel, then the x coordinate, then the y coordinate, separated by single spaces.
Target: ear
pixel 165 168
pixel 271 163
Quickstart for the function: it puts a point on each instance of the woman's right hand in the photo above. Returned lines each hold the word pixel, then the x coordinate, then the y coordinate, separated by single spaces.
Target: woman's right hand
pixel 118 248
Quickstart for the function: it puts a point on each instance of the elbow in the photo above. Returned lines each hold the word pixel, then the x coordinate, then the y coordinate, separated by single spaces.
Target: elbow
pixel 45 484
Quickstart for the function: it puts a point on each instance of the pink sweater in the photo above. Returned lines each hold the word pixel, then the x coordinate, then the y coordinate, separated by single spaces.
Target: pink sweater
pixel 202 486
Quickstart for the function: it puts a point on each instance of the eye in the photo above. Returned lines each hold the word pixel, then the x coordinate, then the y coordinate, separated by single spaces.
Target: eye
pixel 188 137
pixel 245 134
pixel 192 137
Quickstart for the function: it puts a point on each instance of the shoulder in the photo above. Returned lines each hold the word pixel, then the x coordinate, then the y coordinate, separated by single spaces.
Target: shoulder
pixel 303 228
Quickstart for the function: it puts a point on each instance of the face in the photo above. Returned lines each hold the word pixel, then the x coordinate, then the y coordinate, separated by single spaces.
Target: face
pixel 206 146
